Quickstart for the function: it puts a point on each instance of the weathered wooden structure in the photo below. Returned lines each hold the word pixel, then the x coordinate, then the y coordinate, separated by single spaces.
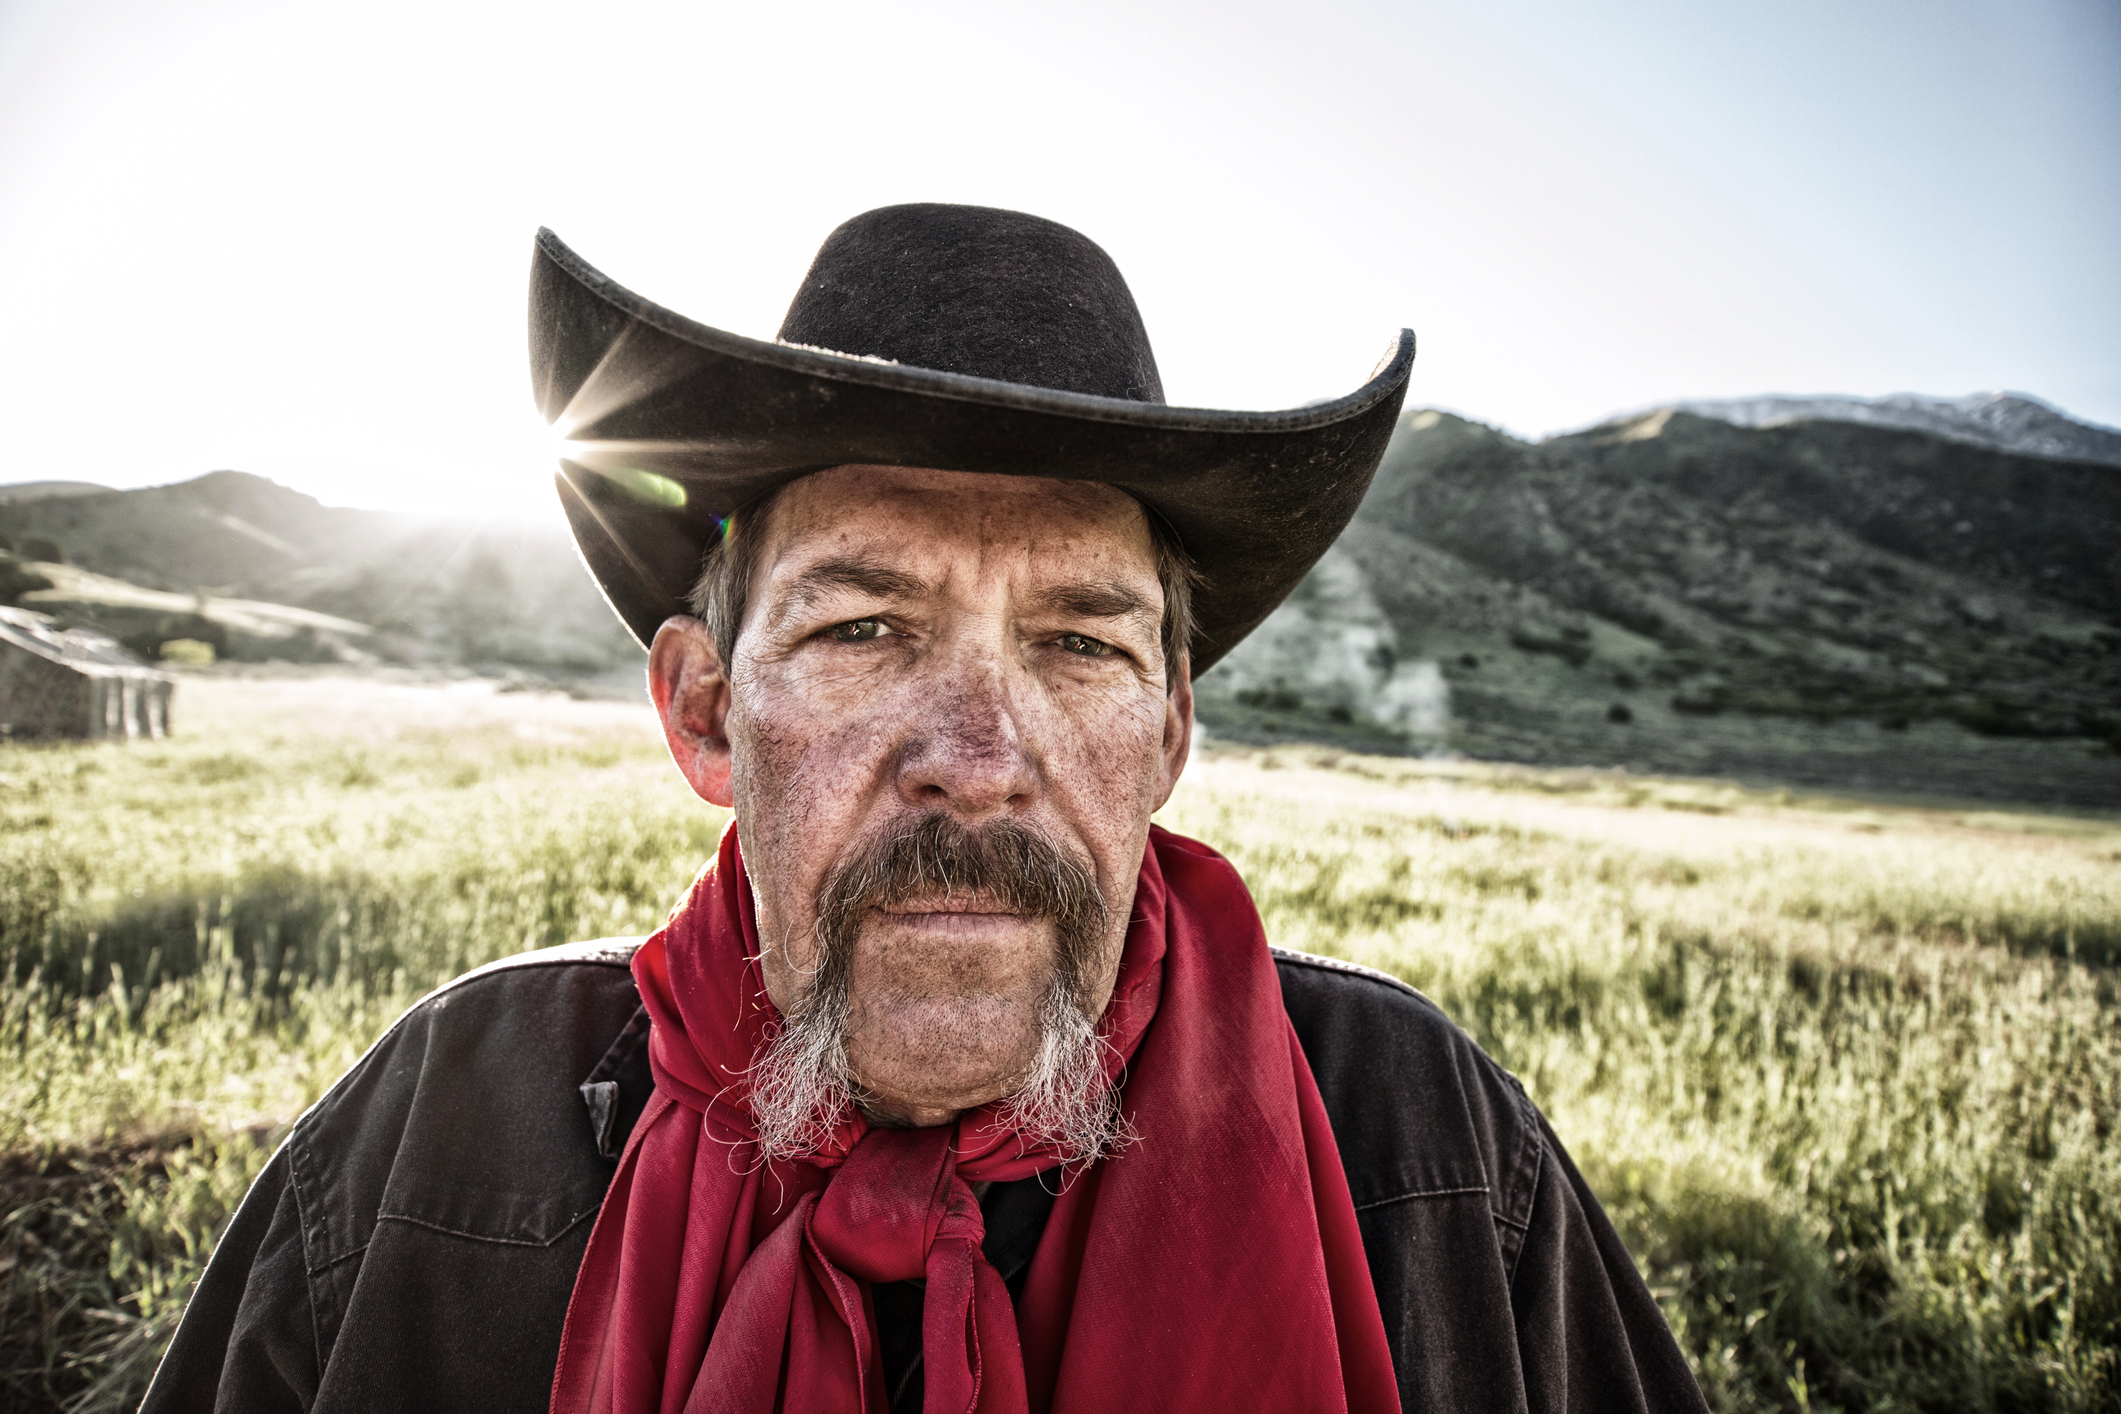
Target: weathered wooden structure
pixel 75 683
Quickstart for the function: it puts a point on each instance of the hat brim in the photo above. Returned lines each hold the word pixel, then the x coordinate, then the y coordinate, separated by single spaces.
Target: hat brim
pixel 671 425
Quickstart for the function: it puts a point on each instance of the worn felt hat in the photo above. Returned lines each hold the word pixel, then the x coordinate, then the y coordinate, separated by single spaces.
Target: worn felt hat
pixel 953 337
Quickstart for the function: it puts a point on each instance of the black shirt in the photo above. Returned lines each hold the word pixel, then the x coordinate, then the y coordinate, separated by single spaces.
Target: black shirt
pixel 414 1243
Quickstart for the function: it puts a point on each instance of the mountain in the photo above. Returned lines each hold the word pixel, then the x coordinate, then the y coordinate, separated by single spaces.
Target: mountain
pixel 1818 601
pixel 2004 422
pixel 403 588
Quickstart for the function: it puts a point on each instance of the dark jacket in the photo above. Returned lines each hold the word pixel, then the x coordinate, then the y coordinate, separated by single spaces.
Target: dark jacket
pixel 414 1242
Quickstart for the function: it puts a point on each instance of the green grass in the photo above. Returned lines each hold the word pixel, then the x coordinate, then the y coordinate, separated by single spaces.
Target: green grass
pixel 1846 1076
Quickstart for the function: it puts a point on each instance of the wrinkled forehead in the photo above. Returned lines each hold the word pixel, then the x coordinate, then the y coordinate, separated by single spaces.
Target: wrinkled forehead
pixel 1040 525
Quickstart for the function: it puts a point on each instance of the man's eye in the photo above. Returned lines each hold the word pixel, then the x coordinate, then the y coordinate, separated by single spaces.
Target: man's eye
pixel 857 631
pixel 1086 646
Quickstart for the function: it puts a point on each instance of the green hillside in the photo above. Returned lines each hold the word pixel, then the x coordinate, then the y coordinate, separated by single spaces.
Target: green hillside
pixel 1818 602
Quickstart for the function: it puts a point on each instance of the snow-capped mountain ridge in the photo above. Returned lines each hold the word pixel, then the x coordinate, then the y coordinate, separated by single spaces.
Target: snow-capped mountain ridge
pixel 2006 422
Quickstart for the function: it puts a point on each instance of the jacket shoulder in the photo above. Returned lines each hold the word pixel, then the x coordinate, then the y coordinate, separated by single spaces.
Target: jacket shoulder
pixel 460 1117
pixel 1417 1108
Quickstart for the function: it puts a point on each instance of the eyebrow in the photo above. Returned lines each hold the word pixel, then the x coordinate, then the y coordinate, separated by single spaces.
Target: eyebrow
pixel 862 575
pixel 1088 600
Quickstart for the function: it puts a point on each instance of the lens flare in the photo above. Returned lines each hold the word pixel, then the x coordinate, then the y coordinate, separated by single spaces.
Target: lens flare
pixel 648 486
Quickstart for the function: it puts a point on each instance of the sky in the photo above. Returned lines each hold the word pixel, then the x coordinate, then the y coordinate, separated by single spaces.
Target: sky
pixel 293 238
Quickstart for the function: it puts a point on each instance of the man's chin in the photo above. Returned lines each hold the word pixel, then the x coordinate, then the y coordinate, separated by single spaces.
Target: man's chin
pixel 945 1053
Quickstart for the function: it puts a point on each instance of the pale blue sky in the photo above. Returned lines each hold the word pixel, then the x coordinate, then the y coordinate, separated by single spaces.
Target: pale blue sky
pixel 292 238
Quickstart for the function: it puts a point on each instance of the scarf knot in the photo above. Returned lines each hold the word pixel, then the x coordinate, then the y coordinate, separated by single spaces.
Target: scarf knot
pixel 893 1199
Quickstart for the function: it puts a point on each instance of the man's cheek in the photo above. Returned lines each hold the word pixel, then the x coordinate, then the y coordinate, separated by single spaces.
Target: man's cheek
pixel 801 749
pixel 1111 744
pixel 799 792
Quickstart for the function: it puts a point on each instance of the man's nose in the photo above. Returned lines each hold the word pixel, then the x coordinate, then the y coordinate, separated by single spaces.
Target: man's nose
pixel 968 752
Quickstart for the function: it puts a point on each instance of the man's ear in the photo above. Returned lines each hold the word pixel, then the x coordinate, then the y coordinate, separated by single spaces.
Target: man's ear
pixel 1178 731
pixel 692 696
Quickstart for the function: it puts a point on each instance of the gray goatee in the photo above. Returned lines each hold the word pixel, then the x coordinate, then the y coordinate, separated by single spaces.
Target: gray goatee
pixel 801 1085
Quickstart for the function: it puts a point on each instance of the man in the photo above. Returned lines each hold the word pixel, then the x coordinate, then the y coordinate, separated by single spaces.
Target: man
pixel 952 1084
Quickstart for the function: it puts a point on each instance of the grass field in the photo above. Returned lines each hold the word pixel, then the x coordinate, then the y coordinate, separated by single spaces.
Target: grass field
pixel 1846 1076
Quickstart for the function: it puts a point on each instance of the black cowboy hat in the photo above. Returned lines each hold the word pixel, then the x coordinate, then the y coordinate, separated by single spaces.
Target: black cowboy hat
pixel 954 337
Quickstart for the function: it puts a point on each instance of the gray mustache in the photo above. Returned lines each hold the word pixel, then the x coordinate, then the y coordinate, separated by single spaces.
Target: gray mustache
pixel 1011 864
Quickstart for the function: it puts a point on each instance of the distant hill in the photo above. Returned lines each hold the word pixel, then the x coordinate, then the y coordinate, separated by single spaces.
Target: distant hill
pixel 38 490
pixel 1818 601
pixel 430 591
pixel 144 619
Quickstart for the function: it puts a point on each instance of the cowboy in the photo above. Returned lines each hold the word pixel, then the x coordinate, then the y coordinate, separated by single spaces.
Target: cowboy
pixel 952 1083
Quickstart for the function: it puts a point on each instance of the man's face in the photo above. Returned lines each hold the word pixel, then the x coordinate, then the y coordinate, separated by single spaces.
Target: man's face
pixel 922 644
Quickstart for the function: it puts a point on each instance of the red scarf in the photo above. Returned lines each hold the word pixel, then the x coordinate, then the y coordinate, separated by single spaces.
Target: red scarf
pixel 1214 1264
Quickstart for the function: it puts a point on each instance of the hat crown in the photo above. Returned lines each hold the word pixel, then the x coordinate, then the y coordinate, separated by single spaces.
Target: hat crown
pixel 977 291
